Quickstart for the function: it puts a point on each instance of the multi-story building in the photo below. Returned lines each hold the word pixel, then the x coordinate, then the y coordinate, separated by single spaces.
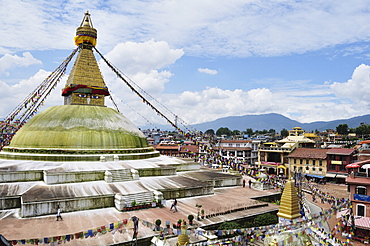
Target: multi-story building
pixel 337 161
pixel 309 161
pixel 243 151
pixel 364 150
pixel 359 186
pixel 273 156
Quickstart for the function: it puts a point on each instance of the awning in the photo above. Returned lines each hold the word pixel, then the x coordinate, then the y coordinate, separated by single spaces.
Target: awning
pixel 341 176
pixel 363 222
pixel 330 175
pixel 315 176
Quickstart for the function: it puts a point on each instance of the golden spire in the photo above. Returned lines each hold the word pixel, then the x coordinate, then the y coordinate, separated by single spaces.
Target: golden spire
pixel 85 84
pixel 183 239
pixel 289 204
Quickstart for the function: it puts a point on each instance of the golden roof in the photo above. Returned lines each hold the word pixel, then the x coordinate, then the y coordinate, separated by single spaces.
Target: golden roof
pixel 289 204
pixel 85 71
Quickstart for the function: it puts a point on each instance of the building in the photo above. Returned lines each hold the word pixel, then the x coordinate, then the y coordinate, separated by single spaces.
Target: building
pixel 273 156
pixel 309 161
pixel 359 186
pixel 241 151
pixel 337 161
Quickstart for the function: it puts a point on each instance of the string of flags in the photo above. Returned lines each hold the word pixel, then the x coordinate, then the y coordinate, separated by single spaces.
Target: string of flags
pixel 32 102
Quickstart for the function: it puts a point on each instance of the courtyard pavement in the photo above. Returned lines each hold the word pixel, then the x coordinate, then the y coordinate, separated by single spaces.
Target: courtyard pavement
pixel 224 199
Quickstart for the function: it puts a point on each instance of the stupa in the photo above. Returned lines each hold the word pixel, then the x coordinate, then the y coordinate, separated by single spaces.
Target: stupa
pixel 83 129
pixel 84 155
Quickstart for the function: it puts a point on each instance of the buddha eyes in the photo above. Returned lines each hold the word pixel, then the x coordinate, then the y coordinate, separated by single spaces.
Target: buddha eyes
pixel 93 97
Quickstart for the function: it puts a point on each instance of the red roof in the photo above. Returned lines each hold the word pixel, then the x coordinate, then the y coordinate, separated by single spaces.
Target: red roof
pixel 340 151
pixel 309 153
pixel 190 148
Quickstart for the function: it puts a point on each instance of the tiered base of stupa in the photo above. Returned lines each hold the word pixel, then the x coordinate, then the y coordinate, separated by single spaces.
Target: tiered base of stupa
pixel 39 187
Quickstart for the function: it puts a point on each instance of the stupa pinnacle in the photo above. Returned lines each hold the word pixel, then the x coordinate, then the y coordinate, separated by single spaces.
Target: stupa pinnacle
pixel 83 129
pixel 85 84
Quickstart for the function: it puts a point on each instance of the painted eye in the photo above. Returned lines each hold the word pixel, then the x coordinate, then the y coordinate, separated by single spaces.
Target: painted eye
pixel 81 95
pixel 95 97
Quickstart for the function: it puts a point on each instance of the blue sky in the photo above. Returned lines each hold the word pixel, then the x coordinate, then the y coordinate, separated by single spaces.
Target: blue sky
pixel 201 59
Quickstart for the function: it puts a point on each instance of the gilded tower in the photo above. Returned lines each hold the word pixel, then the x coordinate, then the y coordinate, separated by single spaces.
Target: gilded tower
pixel 85 84
pixel 289 205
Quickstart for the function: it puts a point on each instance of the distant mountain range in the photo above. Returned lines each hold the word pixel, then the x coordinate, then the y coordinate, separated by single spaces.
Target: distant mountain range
pixel 276 122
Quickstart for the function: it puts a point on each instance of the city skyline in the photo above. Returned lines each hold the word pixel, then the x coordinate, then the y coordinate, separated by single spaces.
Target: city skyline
pixel 202 60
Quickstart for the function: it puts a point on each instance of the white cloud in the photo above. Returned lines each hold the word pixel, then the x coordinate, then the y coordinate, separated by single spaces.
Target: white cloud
pixel 207 28
pixel 10 61
pixel 142 63
pixel 11 96
pixel 356 88
pixel 207 71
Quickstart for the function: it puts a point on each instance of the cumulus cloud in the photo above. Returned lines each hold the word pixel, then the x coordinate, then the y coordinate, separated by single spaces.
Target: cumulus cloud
pixel 237 29
pixel 356 88
pixel 12 95
pixel 10 61
pixel 143 63
pixel 207 71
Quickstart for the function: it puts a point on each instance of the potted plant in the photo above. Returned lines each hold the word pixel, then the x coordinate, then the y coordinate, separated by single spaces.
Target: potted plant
pixel 133 203
pixel 158 224
pixel 179 223
pixel 190 218
pixel 202 213
pixel 154 203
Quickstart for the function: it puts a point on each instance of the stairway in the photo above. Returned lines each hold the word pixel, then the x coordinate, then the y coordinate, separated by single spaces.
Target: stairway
pixel 121 175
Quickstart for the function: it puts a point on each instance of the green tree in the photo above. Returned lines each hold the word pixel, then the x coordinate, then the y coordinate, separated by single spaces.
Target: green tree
pixel 249 131
pixel 209 132
pixel 229 225
pixel 223 131
pixel 342 129
pixel 236 132
pixel 284 132
pixel 265 219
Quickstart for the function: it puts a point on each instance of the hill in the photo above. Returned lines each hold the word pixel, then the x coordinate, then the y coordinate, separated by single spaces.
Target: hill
pixel 276 122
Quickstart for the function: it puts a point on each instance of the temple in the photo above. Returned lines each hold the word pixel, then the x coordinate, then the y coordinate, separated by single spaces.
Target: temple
pixel 84 155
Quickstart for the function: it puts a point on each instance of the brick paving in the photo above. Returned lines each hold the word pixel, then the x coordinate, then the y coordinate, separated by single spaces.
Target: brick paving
pixel 224 199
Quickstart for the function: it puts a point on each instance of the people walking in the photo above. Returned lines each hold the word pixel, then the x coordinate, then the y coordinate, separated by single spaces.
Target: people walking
pixel 250 184
pixel 243 183
pixel 58 214
pixel 174 205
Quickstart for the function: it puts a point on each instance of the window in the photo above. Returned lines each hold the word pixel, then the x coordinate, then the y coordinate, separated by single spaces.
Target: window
pixel 307 161
pixel 313 169
pixel 313 162
pixel 320 163
pixel 301 161
pixel 360 210
pixel 361 190
pixel 320 169
pixel 307 168
pixel 332 167
pixel 294 161
pixel 237 145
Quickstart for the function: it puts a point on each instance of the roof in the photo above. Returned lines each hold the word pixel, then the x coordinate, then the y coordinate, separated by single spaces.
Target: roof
pixel 365 142
pixel 308 153
pixel 357 180
pixel 363 222
pixel 235 148
pixel 340 151
pixel 190 148
pixel 235 141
